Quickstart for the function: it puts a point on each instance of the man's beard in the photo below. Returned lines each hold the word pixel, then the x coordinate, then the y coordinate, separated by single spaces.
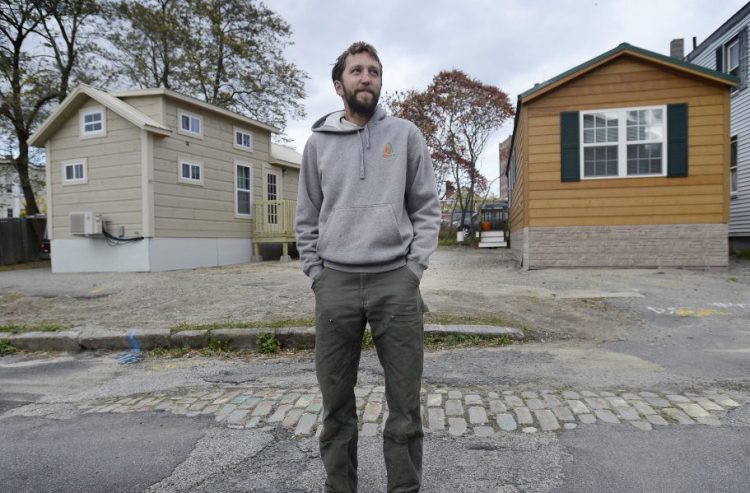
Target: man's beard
pixel 359 108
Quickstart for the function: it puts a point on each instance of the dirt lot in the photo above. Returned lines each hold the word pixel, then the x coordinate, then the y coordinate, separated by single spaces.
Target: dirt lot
pixel 462 284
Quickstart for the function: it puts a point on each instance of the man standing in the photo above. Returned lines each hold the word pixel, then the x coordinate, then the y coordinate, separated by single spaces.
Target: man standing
pixel 367 222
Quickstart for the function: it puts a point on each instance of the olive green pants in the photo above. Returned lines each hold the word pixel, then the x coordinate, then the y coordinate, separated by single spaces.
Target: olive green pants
pixel 391 303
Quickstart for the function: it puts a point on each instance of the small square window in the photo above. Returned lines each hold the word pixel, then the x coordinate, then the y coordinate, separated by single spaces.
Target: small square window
pixel 74 172
pixel 243 139
pixel 190 124
pixel 93 122
pixel 191 172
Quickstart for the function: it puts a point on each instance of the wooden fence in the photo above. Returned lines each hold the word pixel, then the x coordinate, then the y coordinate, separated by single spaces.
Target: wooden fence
pixel 21 239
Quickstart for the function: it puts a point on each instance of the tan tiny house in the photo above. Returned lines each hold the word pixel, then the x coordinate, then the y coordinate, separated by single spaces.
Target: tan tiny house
pixel 622 161
pixel 175 182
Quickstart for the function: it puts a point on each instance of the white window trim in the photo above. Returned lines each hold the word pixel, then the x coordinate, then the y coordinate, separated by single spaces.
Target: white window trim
pixel 622 143
pixel 192 162
pixel 91 111
pixel 180 130
pixel 733 193
pixel 237 189
pixel 244 131
pixel 80 181
pixel 727 48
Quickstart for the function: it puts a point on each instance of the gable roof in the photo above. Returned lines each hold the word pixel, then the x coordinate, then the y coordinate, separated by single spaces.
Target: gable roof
pixel 626 49
pixel 160 91
pixel 114 102
pixel 71 103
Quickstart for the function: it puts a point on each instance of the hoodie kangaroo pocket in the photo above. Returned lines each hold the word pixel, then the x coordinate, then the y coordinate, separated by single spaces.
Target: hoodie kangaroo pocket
pixel 361 235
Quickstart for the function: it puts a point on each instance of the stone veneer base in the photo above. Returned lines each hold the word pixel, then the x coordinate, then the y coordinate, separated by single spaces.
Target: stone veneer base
pixel 643 246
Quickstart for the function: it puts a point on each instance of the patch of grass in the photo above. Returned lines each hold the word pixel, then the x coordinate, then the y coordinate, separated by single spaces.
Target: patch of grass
pixel 449 238
pixel 39 264
pixel 239 324
pixel 267 343
pixel 7 348
pixel 439 340
pixel 742 253
pixel 217 345
pixel 40 327
pixel 367 340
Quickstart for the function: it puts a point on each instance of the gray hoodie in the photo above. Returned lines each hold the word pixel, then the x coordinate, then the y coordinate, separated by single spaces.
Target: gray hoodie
pixel 367 197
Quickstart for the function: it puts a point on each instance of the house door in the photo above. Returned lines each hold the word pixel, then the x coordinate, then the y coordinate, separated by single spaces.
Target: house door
pixel 273 193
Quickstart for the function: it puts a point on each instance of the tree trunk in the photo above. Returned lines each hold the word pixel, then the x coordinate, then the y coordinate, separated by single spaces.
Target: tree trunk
pixel 21 163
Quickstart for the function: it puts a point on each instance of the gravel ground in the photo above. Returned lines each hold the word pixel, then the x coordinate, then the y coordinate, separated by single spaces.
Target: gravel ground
pixel 462 284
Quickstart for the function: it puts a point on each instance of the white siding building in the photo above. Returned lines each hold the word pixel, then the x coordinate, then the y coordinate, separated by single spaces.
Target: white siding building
pixel 175 182
pixel 726 50
pixel 12 201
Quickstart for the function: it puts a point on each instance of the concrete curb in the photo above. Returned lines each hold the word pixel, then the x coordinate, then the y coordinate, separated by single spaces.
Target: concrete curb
pixel 289 338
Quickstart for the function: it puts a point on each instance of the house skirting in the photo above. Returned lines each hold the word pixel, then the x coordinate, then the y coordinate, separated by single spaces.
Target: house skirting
pixel 646 246
pixel 148 255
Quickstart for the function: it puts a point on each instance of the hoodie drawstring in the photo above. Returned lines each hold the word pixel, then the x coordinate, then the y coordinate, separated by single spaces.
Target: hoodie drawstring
pixel 364 139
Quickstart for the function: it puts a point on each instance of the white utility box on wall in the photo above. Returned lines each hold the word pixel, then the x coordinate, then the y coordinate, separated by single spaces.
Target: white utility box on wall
pixel 85 223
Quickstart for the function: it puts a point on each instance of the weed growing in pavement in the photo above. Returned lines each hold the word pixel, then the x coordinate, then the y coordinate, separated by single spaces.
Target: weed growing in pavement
pixel 41 327
pixel 267 343
pixel 217 345
pixel 238 324
pixel 743 253
pixel 7 348
pixel 367 340
pixel 441 340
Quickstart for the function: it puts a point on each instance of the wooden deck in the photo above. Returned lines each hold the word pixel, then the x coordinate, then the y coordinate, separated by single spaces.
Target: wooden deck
pixel 273 222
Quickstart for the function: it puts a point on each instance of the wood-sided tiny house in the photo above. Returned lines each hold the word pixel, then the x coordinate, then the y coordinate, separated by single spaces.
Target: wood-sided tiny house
pixel 622 161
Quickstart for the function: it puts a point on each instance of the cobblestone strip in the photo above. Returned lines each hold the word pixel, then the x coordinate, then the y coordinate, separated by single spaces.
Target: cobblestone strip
pixel 457 412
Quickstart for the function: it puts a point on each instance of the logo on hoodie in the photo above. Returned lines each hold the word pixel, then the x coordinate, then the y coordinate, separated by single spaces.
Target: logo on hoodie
pixel 388 151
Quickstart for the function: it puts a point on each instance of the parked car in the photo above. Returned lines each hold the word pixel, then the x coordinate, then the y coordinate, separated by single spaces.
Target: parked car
pixel 454 220
pixel 45 248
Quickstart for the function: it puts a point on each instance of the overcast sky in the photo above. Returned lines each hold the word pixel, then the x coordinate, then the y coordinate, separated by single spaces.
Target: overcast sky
pixel 508 43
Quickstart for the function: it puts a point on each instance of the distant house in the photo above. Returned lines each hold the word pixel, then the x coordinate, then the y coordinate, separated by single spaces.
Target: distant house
pixel 153 180
pixel 622 161
pixel 726 50
pixel 12 200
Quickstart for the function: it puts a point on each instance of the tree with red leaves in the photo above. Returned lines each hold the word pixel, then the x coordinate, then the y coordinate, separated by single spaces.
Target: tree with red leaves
pixel 457 114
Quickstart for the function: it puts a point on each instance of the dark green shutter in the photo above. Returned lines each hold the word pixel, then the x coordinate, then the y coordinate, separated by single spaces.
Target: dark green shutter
pixel 677 140
pixel 719 59
pixel 570 152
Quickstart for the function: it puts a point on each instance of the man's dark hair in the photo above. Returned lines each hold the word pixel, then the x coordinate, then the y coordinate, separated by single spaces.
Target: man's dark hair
pixel 358 47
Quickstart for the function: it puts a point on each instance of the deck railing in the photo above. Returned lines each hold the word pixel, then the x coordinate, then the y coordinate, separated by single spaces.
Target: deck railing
pixel 274 219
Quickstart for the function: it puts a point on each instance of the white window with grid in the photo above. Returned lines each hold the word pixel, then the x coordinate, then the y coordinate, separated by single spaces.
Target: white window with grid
pixel 623 143
pixel 243 139
pixel 190 124
pixel 74 172
pixel 732 57
pixel 190 171
pixel 243 198
pixel 93 122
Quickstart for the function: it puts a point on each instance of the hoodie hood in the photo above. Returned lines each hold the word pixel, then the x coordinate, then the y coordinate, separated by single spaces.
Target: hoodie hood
pixel 335 123
pixel 332 122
